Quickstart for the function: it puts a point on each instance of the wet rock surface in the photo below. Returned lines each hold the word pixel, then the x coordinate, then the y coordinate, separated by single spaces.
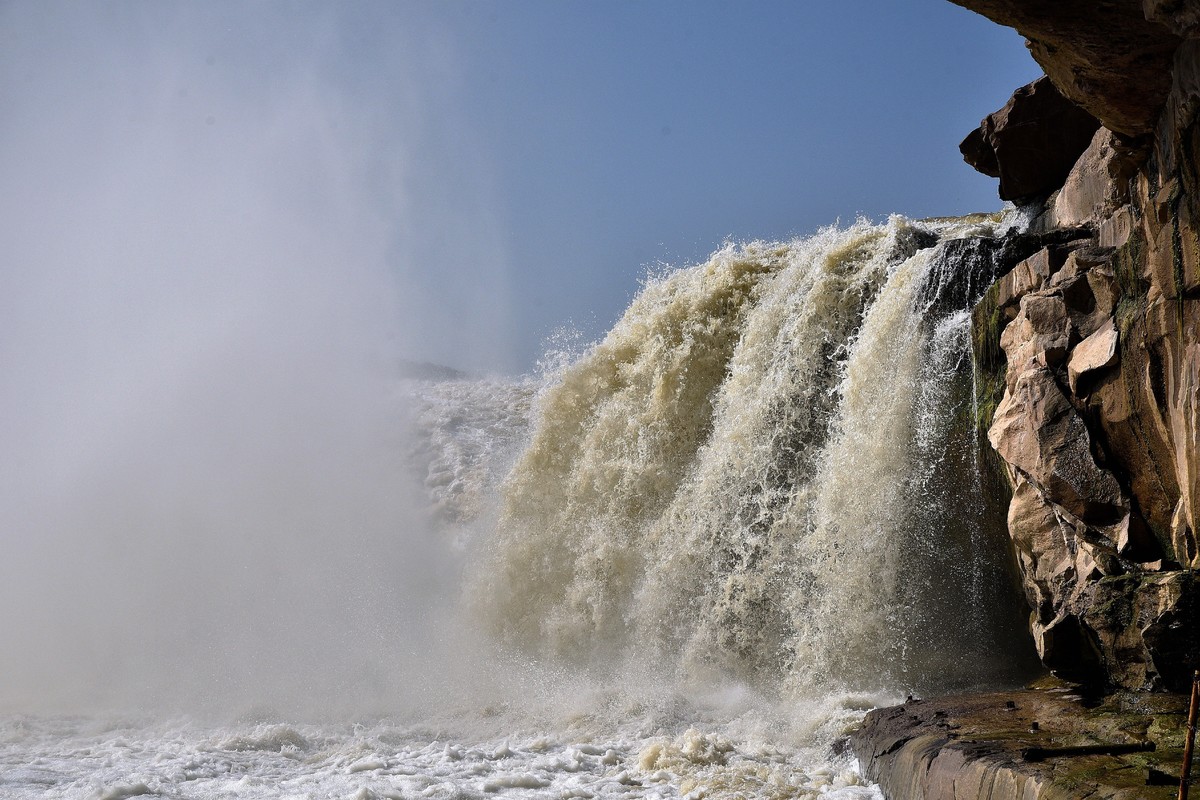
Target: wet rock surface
pixel 1090 355
pixel 1047 743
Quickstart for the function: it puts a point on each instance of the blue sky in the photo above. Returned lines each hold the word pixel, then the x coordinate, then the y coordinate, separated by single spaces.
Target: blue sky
pixel 478 173
pixel 617 135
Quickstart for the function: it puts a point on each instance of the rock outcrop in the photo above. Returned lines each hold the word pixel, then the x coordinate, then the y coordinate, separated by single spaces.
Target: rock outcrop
pixel 1111 57
pixel 1032 143
pixel 1088 386
pixel 1093 343
pixel 1038 743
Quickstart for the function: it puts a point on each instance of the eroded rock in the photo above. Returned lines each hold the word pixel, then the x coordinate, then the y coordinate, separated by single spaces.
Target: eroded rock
pixel 1098 183
pixel 1097 51
pixel 1038 432
pixel 1032 143
pixel 1024 744
pixel 1095 351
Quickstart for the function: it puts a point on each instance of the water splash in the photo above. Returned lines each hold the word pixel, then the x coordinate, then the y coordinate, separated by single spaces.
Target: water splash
pixel 764 473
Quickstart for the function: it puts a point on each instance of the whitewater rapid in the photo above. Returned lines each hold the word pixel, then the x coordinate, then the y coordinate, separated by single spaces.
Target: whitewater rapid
pixel 757 476
pixel 680 563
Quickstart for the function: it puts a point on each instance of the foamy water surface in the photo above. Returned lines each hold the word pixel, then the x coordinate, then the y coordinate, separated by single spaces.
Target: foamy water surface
pixel 649 755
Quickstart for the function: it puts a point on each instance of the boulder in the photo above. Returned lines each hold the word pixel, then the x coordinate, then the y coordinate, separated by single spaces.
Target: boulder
pixel 1146 622
pixel 1032 143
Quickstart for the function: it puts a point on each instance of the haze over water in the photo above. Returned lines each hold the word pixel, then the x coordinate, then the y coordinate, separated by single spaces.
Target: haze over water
pixel 246 557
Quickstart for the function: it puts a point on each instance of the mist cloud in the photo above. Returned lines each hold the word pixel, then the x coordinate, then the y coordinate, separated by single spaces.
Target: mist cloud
pixel 205 289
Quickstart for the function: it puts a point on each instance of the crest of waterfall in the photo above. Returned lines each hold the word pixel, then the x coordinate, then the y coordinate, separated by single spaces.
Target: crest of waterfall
pixel 766 472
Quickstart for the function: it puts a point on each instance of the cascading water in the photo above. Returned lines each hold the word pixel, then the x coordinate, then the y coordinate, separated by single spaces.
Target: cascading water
pixel 764 473
pixel 692 558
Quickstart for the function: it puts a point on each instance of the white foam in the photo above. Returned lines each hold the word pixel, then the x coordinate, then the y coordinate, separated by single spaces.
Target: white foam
pixel 114 760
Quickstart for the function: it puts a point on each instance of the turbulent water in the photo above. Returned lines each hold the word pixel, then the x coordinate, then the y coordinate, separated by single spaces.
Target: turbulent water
pixel 740 479
pixel 682 563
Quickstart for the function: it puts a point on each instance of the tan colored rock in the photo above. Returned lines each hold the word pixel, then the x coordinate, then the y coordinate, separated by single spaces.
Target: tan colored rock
pixel 1039 335
pixel 1116 228
pixel 1125 406
pixel 1037 431
pixel 1183 539
pixel 1097 351
pixel 1135 542
pixel 1043 549
pixel 1098 183
pixel 1099 424
pixel 1088 289
pixel 1026 276
pixel 1183 391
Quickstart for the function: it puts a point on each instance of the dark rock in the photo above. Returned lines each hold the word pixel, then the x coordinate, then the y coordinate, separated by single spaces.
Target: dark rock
pixel 1150 620
pixel 1053 743
pixel 1032 143
pixel 1105 55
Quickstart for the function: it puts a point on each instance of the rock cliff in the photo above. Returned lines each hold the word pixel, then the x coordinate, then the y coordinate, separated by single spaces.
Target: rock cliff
pixel 1093 345
pixel 1088 354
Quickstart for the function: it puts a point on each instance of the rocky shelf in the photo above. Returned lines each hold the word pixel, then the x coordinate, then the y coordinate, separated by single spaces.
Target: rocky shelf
pixel 1047 742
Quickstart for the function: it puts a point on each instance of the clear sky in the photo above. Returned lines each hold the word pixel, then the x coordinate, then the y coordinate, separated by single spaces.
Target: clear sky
pixel 465 176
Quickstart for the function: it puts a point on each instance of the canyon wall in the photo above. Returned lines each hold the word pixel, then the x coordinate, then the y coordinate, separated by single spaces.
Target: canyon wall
pixel 1089 350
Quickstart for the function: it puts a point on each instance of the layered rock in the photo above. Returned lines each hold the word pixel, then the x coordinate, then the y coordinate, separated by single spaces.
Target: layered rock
pixel 1094 346
pixel 1039 743
pixel 1111 57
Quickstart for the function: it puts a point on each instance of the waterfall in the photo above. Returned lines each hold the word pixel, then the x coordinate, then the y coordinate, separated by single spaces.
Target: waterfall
pixel 766 472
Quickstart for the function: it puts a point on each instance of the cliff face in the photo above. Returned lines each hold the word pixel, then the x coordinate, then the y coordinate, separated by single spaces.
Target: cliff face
pixel 1094 345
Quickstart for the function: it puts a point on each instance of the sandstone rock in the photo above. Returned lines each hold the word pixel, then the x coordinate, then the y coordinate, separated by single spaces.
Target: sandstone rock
pixel 1183 391
pixel 1027 276
pixel 1097 351
pixel 1040 333
pixel 1098 183
pixel 1037 431
pixel 1044 562
pixel 1136 543
pixel 983 746
pixel 1032 143
pixel 1090 297
pixel 1096 50
pixel 1036 268
pixel 1095 348
pixel 1116 228
pixel 1183 539
pixel 1147 621
pixel 1124 407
